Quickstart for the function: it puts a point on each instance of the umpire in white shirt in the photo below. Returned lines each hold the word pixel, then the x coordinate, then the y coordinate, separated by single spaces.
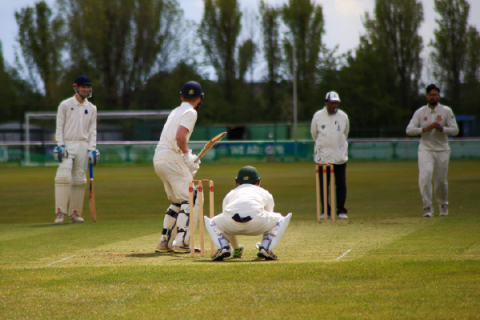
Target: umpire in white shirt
pixel 434 122
pixel 329 129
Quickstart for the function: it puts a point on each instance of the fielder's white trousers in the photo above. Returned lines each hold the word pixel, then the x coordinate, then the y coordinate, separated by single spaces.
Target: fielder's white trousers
pixel 170 167
pixel 260 224
pixel 433 163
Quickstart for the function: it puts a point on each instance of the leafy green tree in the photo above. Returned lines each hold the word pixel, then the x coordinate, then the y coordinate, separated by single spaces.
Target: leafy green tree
pixel 305 23
pixel 121 42
pixel 450 47
pixel 246 57
pixel 218 33
pixel 270 26
pixel 394 33
pixel 41 37
pixel 472 70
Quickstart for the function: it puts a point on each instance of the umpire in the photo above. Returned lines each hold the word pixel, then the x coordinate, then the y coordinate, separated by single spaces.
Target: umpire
pixel 329 129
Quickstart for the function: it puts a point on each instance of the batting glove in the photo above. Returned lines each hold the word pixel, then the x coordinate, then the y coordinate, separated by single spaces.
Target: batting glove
pixel 93 156
pixel 59 153
pixel 189 160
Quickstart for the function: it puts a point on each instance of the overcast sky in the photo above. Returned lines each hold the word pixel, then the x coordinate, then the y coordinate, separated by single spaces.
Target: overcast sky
pixel 343 22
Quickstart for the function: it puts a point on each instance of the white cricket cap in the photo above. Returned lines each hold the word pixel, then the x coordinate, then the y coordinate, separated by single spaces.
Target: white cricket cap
pixel 332 96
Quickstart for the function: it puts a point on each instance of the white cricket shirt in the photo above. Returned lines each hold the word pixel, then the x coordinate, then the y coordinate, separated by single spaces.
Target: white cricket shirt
pixel 330 133
pixel 184 115
pixel 248 200
pixel 433 140
pixel 77 122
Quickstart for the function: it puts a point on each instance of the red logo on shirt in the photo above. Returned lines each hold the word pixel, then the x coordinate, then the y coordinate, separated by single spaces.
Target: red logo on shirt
pixel 439 118
pixel 425 119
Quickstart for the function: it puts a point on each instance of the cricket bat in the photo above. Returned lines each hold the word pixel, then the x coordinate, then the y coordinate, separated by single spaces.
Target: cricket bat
pixel 210 144
pixel 91 198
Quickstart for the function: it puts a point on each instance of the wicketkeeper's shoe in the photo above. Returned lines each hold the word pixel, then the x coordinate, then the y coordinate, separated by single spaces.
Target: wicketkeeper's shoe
pixel 427 212
pixel 76 219
pixel 323 215
pixel 443 210
pixel 221 254
pixel 266 254
pixel 163 247
pixel 342 216
pixel 237 253
pixel 60 218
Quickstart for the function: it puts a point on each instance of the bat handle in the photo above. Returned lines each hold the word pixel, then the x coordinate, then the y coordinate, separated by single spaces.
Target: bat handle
pixel 91 171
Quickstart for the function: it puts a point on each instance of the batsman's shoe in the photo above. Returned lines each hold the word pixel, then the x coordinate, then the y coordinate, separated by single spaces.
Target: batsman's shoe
pixel 221 254
pixel 60 218
pixel 237 253
pixel 184 249
pixel 342 216
pixel 443 210
pixel 266 254
pixel 323 216
pixel 163 247
pixel 76 219
pixel 427 212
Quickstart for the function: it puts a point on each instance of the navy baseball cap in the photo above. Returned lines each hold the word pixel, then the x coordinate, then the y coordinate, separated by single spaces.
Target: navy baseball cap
pixel 82 81
pixel 191 89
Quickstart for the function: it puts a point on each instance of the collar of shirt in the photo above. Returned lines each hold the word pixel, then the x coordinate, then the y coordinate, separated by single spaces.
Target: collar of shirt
pixel 437 108
pixel 334 113
pixel 77 104
pixel 186 105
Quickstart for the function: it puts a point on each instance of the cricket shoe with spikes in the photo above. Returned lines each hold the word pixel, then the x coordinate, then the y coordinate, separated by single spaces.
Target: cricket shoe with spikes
pixel 427 212
pixel 60 218
pixel 237 253
pixel 184 249
pixel 163 247
pixel 221 254
pixel 443 208
pixel 266 254
pixel 76 219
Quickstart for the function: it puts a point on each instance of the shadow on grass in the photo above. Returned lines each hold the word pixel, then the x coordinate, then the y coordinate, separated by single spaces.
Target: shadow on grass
pixel 47 225
pixel 149 254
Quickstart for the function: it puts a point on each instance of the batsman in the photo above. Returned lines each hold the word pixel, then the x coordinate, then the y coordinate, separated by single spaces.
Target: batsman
pixel 247 210
pixel 76 137
pixel 175 164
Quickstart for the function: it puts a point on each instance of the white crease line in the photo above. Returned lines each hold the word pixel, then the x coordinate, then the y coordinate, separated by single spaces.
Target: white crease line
pixel 343 255
pixel 59 261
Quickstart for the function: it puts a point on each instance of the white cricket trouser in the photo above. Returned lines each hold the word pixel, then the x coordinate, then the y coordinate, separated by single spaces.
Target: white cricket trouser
pixel 173 171
pixel 260 224
pixel 433 163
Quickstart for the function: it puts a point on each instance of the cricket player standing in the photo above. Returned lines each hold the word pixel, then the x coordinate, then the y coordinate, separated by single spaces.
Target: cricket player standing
pixel 76 137
pixel 435 122
pixel 247 210
pixel 330 127
pixel 175 164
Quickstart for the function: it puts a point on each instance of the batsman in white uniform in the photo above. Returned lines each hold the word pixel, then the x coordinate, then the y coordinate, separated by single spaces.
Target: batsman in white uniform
pixel 76 137
pixel 175 164
pixel 247 210
pixel 435 123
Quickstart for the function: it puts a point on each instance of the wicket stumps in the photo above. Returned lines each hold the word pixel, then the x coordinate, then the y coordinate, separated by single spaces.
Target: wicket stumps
pixel 199 217
pixel 325 191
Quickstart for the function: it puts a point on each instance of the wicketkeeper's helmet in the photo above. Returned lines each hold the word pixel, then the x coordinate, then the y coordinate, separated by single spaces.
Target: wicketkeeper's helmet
pixel 247 174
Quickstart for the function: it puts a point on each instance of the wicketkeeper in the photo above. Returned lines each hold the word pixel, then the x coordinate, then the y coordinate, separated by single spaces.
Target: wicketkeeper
pixel 247 210
pixel 175 164
pixel 76 137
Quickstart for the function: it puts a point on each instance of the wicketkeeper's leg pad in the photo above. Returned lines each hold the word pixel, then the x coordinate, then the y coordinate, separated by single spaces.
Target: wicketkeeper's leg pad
pixel 209 225
pixel 280 230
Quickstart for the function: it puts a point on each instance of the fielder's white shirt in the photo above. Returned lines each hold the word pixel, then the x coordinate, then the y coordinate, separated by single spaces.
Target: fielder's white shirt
pixel 248 200
pixel 330 133
pixel 184 115
pixel 77 122
pixel 433 140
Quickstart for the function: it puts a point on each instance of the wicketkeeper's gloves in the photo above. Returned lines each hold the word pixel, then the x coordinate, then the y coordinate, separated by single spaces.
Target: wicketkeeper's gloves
pixel 93 156
pixel 59 153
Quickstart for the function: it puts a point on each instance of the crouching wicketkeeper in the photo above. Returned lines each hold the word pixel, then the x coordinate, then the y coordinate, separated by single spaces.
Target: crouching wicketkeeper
pixel 247 210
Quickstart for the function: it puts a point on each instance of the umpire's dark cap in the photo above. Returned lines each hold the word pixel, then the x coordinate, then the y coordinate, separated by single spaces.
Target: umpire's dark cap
pixel 191 89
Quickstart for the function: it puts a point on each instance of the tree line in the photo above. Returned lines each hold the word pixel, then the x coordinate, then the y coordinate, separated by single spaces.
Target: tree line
pixel 138 53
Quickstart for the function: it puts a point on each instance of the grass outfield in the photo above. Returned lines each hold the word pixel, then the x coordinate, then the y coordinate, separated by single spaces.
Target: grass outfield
pixel 401 266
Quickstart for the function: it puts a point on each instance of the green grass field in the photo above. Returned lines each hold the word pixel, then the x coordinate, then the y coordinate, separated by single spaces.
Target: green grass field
pixel 401 266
